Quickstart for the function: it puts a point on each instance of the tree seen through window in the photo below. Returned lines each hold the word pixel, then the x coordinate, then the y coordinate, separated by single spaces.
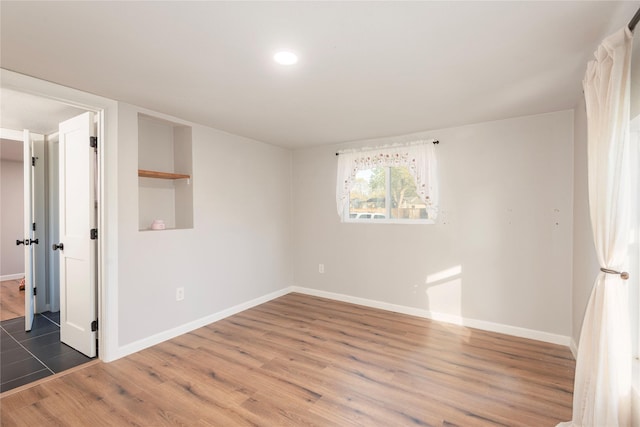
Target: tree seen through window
pixel 385 192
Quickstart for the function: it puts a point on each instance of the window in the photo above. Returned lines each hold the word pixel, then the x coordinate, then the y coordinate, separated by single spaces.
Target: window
pixel 388 185
pixel 386 192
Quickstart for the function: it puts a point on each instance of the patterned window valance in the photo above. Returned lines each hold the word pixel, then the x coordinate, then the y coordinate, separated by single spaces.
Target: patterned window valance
pixel 418 157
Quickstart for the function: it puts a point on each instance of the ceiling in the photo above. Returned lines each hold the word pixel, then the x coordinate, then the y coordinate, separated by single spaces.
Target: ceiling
pixel 20 111
pixel 366 69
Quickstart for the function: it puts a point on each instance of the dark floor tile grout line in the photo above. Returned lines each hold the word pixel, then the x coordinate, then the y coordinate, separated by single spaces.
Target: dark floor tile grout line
pixel 27 350
pixel 50 320
pixel 30 373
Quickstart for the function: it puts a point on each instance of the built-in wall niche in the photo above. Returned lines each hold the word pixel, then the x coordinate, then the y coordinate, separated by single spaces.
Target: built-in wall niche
pixel 165 181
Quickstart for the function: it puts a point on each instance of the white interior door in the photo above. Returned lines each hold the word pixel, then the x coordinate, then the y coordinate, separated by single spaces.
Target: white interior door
pixel 77 191
pixel 29 297
pixel 38 223
pixel 53 223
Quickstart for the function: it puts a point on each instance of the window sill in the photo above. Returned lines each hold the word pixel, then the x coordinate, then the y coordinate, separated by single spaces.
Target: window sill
pixel 389 221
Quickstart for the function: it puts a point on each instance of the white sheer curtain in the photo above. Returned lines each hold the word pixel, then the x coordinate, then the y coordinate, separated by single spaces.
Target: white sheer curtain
pixel 418 157
pixel 602 390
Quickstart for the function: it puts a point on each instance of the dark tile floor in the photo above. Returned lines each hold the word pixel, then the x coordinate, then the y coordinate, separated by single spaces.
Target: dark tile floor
pixel 29 356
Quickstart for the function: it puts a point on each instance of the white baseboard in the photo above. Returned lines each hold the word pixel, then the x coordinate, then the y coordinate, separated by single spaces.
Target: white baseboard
pixel 458 320
pixel 188 327
pixel 448 318
pixel 635 392
pixel 574 348
pixel 11 277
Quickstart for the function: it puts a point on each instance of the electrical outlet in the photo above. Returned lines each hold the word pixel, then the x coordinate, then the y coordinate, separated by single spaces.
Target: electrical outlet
pixel 179 294
pixel 321 268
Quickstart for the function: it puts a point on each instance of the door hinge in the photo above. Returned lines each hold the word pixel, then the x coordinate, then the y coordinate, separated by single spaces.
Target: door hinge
pixel 33 161
pixel 94 325
pixel 93 141
pixel 35 291
pixel 33 226
pixel 94 233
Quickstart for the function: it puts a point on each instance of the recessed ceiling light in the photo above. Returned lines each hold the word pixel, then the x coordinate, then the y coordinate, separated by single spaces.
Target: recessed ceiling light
pixel 285 58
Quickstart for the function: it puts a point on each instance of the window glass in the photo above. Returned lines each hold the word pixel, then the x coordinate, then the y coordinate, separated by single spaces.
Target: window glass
pixel 385 192
pixel 405 202
pixel 367 194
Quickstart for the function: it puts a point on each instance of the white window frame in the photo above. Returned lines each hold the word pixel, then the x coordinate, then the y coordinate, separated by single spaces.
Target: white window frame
pixel 388 219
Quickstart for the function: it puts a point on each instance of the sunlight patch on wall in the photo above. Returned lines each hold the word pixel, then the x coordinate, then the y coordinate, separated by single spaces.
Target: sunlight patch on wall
pixel 444 292
pixel 446 298
pixel 444 274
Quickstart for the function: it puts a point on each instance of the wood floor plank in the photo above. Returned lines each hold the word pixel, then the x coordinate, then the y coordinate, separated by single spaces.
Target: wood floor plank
pixel 305 361
pixel 11 300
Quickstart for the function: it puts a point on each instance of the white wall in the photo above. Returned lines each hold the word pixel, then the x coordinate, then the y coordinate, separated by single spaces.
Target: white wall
pixel 506 224
pixel 585 261
pixel 238 250
pixel 11 218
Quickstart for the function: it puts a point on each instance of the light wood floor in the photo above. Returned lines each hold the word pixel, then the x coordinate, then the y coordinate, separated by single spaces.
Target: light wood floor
pixel 300 360
pixel 11 300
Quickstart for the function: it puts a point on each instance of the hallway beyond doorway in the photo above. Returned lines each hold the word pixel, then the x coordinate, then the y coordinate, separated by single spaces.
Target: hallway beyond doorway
pixel 11 300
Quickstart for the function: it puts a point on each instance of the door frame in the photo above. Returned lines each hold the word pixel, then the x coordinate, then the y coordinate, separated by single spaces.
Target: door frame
pixel 107 176
pixel 27 234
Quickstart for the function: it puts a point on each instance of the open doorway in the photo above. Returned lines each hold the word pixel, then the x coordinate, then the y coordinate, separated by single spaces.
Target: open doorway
pixel 28 355
pixel 11 223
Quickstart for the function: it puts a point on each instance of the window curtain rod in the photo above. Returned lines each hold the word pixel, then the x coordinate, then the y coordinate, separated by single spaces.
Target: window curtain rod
pixel 435 142
pixel 634 21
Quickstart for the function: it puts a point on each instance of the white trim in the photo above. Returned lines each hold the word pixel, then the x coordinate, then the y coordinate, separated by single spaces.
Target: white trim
pixel 574 348
pixel 635 392
pixel 442 317
pixel 387 220
pixel 188 327
pixel 11 277
pixel 13 135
